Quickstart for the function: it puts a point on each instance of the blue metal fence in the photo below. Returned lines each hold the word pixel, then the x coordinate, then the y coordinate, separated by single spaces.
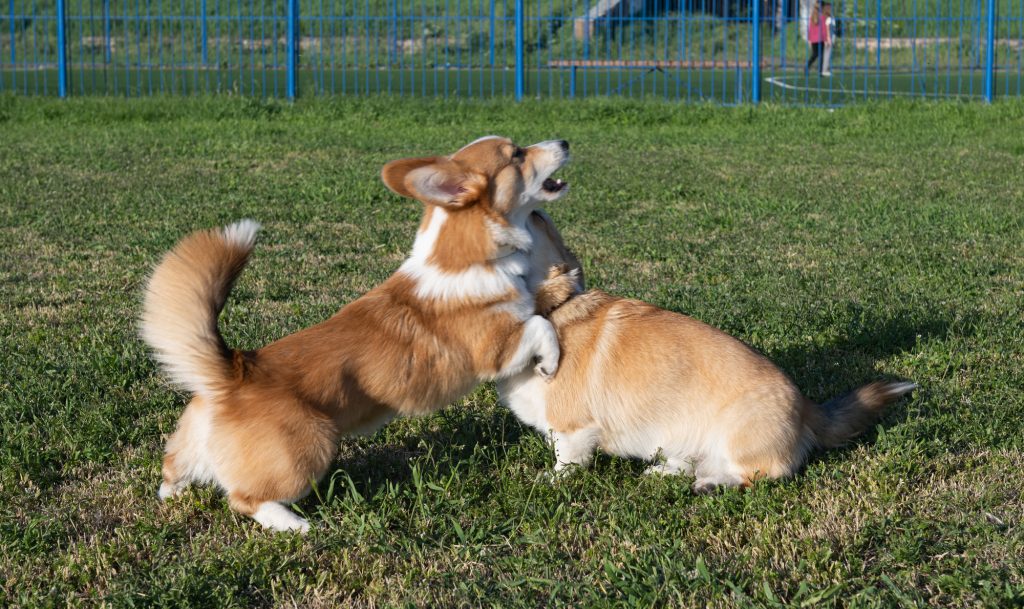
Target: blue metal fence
pixel 729 51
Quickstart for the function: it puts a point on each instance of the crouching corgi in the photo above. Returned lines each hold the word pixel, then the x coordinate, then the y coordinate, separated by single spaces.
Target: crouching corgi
pixel 263 424
pixel 639 381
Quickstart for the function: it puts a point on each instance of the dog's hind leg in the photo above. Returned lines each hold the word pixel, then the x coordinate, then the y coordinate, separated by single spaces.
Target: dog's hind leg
pixel 271 514
pixel 187 458
pixel 575 448
pixel 265 467
pixel 717 469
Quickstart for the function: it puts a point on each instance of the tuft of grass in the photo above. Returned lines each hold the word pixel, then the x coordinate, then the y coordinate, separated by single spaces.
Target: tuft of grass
pixel 872 241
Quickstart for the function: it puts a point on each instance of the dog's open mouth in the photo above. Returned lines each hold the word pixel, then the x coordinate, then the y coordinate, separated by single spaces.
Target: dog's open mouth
pixel 552 186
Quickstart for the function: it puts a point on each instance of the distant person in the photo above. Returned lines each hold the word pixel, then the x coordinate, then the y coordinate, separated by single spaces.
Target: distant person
pixel 818 36
pixel 830 39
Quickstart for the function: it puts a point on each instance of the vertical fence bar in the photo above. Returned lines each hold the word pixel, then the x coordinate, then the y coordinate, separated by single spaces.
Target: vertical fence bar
pixel 292 52
pixel 878 34
pixel 990 35
pixel 204 33
pixel 785 26
pixel 755 55
pixel 106 31
pixel 519 67
pixel 62 50
pixel 492 37
pixel 14 55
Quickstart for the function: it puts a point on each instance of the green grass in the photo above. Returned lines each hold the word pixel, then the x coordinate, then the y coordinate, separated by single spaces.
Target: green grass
pixel 872 241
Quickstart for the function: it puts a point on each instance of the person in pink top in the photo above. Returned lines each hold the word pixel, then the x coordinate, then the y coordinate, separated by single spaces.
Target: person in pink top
pixel 818 35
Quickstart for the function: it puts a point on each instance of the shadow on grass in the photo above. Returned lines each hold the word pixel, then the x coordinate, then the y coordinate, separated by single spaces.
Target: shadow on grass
pixel 869 336
pixel 458 433
pixel 837 368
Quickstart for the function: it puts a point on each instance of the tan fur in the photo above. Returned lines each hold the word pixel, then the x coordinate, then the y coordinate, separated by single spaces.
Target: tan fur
pixel 263 424
pixel 559 285
pixel 549 249
pixel 639 381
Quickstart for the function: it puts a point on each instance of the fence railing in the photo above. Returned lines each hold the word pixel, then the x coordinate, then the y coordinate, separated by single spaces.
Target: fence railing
pixel 729 51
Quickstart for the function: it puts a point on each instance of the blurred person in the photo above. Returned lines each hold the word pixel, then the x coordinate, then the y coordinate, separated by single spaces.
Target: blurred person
pixel 830 38
pixel 818 36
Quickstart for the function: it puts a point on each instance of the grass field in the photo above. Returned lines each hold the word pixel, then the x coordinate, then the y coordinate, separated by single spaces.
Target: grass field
pixel 876 241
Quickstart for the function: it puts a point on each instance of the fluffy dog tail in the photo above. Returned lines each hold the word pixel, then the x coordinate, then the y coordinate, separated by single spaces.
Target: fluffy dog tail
pixel 839 420
pixel 183 299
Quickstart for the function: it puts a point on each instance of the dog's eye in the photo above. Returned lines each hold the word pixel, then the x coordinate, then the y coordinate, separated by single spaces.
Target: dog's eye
pixel 519 154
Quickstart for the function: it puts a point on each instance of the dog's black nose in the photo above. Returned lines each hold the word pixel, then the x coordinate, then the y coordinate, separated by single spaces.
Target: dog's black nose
pixel 564 144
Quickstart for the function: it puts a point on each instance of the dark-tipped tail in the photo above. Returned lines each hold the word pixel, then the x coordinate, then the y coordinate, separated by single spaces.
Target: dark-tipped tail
pixel 839 420
pixel 183 299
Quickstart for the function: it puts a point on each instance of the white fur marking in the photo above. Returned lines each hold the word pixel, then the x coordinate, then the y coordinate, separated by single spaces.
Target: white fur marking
pixel 576 448
pixel 553 160
pixel 190 446
pixel 900 388
pixel 538 340
pixel 242 233
pixel 166 491
pixel 710 483
pixel 479 281
pixel 426 238
pixel 525 394
pixel 277 517
pixel 478 140
pixel 671 467
pixel 513 236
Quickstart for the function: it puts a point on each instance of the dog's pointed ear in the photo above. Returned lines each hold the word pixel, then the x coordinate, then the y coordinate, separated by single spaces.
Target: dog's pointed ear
pixel 433 180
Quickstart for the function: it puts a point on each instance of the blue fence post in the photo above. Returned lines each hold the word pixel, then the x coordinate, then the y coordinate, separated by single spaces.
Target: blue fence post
pixel 292 52
pixel 106 31
pixel 782 44
pixel 519 50
pixel 990 55
pixel 755 42
pixel 62 50
pixel 206 57
pixel 14 57
pixel 492 32
pixel 878 34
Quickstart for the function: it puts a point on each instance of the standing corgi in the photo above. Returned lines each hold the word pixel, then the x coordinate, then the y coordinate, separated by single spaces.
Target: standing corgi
pixel 639 381
pixel 263 424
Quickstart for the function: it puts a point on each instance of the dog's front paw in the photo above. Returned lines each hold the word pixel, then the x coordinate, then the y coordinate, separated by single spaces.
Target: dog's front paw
pixel 548 352
pixel 545 369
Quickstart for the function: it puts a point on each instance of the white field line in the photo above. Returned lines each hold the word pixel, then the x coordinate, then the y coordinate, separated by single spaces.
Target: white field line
pixel 842 90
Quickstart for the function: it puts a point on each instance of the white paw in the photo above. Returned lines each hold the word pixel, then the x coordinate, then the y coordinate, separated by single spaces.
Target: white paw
pixel 710 484
pixel 546 370
pixel 671 467
pixel 705 486
pixel 547 356
pixel 660 469
pixel 277 517
pixel 168 491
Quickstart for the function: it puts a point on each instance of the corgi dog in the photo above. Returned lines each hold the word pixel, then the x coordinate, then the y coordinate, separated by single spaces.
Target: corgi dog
pixel 263 424
pixel 642 382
